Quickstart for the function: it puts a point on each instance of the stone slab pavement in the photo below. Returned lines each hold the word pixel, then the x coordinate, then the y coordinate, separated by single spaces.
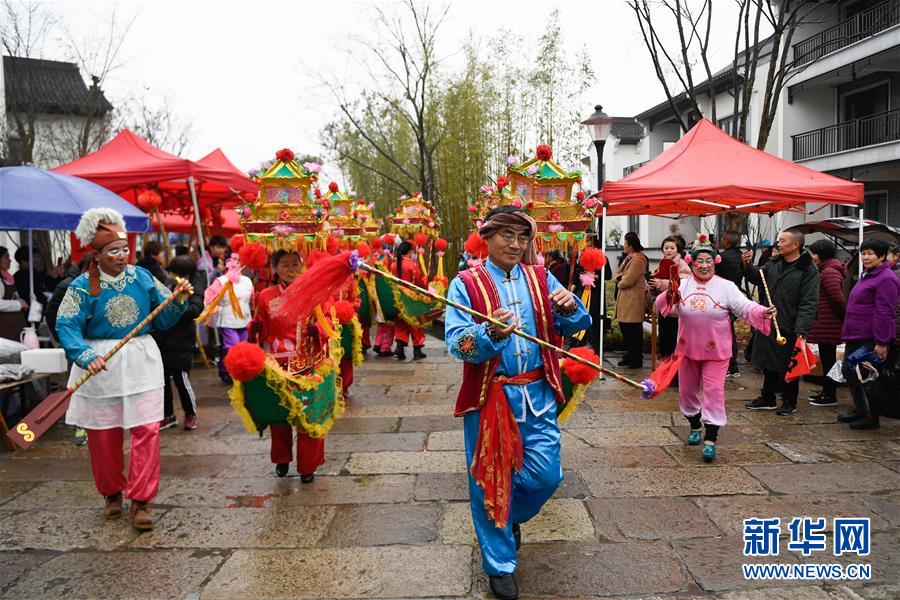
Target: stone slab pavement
pixel 638 516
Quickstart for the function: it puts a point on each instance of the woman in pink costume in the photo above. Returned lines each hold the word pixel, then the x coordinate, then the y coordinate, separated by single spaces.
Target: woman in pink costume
pixel 703 303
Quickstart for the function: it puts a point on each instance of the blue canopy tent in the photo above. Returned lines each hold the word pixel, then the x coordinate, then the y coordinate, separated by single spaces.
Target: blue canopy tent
pixel 32 198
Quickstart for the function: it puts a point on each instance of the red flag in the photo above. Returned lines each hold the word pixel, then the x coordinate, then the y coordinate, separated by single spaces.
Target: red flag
pixel 802 362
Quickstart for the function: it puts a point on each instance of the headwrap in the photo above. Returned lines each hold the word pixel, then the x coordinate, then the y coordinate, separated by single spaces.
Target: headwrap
pixel 702 244
pixel 97 228
pixel 517 220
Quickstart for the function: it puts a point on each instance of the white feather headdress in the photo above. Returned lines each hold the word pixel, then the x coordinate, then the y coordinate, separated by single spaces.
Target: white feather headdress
pixel 90 220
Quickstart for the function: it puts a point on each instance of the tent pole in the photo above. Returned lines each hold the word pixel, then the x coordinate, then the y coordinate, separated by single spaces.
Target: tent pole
pixel 30 271
pixel 859 266
pixel 602 285
pixel 200 241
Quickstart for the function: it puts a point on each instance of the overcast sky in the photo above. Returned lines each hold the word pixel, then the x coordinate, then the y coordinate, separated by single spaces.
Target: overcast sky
pixel 243 72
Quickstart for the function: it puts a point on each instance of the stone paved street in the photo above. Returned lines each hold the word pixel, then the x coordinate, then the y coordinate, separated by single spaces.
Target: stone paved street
pixel 639 514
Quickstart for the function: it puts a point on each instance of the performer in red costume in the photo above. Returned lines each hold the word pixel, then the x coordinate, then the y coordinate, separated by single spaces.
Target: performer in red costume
pixel 280 341
pixel 407 269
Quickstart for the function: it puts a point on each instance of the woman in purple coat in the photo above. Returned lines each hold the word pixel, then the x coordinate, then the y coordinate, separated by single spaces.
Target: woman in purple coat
pixel 869 323
pixel 826 329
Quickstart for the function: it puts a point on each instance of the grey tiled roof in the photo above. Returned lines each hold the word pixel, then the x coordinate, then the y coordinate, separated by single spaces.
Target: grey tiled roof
pixel 52 87
pixel 627 130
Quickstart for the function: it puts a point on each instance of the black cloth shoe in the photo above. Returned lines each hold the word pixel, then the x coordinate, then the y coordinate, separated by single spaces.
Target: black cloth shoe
pixel 850 416
pixel 786 409
pixel 623 363
pixel 760 404
pixel 307 478
pixel 400 353
pixel 822 400
pixel 418 354
pixel 383 353
pixel 504 587
pixel 281 469
pixel 865 421
pixel 517 535
pixel 226 378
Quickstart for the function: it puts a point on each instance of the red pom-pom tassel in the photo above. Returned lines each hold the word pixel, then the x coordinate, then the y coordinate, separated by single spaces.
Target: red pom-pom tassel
pixel 420 239
pixel 236 241
pixel 578 373
pixel 332 245
pixel 333 187
pixel 544 152
pixel 476 246
pixel 253 256
pixel 592 259
pixel 363 249
pixel 376 244
pixel 245 361
pixel 344 311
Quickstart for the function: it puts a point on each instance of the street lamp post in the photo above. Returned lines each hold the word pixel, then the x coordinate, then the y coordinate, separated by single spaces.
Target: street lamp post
pixel 599 125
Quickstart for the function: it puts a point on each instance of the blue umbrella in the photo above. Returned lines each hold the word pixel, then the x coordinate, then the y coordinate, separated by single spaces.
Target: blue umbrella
pixel 32 198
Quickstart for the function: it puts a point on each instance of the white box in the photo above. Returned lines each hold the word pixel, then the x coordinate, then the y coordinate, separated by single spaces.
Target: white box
pixel 45 360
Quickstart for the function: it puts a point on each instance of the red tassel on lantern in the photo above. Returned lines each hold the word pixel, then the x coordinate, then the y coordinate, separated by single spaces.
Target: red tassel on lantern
pixel 440 244
pixel 363 249
pixel 376 244
pixel 420 240
pixel 245 361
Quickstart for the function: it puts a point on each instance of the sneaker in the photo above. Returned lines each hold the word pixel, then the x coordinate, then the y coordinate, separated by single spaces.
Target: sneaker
pixel 307 478
pixel 80 436
pixel 761 404
pixel 733 374
pixel 822 400
pixel 709 452
pixel 281 469
pixel 168 423
pixel 786 409
pixel 693 437
pixel 190 422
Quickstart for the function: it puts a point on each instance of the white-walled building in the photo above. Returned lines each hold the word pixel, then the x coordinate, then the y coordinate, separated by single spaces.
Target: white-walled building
pixel 839 113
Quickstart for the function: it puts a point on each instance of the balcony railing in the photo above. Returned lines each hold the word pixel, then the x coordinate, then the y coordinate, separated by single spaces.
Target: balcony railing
pixel 860 26
pixel 629 170
pixel 858 133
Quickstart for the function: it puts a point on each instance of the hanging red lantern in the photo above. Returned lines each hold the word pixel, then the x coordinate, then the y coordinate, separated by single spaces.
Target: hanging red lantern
pixel 149 200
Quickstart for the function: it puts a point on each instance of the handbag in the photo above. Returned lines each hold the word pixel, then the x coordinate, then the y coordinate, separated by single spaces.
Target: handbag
pixel 883 394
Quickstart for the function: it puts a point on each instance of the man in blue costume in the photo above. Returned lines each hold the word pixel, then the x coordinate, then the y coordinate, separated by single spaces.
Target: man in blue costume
pixel 511 388
pixel 100 308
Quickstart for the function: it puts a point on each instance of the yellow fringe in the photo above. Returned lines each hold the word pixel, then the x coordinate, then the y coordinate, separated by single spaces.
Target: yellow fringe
pixel 236 395
pixel 578 392
pixel 401 308
pixel 357 358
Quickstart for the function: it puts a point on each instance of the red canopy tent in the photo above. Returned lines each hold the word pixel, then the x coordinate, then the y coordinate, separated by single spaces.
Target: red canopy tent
pixel 128 163
pixel 709 172
pixel 216 221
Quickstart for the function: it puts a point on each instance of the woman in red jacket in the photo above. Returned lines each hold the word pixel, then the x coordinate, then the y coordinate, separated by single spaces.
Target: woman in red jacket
pixel 407 269
pixel 826 329
pixel 280 341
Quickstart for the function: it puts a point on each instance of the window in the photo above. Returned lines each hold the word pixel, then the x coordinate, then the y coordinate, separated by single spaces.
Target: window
pixel 727 125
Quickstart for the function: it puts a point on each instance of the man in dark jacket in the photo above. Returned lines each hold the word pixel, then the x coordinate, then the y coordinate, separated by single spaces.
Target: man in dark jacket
pixel 177 347
pixel 154 254
pixel 60 290
pixel 794 284
pixel 730 268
